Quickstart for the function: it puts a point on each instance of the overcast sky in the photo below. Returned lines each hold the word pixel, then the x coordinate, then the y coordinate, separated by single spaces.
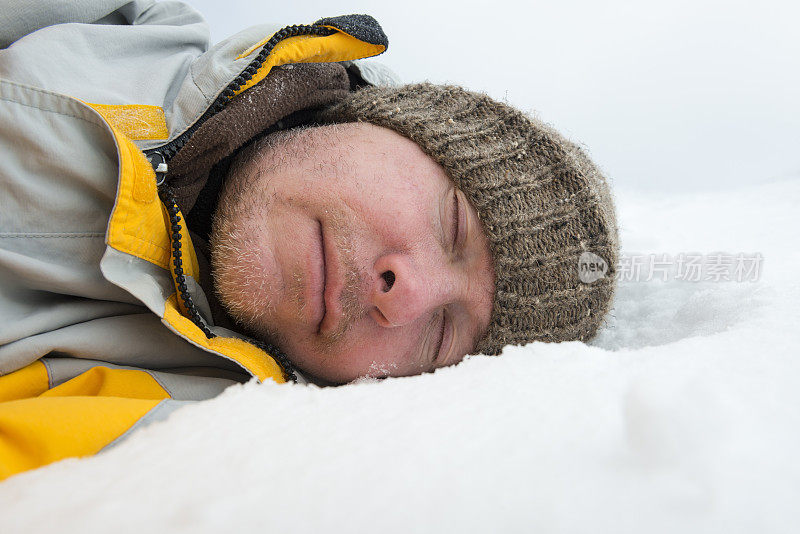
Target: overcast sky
pixel 665 95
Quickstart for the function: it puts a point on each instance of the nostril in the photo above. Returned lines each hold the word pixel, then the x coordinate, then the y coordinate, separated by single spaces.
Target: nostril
pixel 388 277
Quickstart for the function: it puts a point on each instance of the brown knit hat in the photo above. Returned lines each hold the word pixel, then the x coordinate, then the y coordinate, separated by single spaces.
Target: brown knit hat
pixel 546 209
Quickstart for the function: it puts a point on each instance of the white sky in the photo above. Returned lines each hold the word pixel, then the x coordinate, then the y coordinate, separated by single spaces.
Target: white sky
pixel 666 95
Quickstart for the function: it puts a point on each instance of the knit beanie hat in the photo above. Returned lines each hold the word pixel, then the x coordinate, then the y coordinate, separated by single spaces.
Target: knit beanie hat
pixel 545 207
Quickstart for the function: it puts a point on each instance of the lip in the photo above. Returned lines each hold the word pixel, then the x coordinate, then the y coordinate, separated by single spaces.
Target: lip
pixel 313 292
pixel 332 283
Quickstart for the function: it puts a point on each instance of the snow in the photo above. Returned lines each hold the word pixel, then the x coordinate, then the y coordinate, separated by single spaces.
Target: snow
pixel 682 416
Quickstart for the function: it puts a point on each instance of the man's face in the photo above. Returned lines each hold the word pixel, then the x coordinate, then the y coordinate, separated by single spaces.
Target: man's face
pixel 350 249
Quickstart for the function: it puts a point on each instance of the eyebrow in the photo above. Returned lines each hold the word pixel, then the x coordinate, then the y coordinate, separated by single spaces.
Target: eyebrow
pixel 478 336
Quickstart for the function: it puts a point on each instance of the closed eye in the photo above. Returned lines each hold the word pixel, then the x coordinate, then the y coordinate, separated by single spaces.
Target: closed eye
pixel 456 210
pixel 439 339
pixel 459 222
pixel 446 340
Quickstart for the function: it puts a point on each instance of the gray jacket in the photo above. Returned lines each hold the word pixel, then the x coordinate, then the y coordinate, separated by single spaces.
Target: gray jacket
pixel 86 258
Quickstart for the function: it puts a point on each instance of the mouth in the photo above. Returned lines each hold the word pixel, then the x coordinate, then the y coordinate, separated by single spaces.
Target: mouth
pixel 318 283
pixel 331 286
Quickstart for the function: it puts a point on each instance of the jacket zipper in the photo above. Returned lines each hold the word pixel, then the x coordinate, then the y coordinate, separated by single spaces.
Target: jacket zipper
pixel 159 158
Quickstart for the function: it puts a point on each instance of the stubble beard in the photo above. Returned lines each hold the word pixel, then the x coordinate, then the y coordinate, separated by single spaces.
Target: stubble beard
pixel 240 275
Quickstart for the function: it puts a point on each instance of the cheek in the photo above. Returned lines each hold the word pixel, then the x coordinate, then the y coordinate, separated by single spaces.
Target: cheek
pixel 397 348
pixel 363 352
pixel 393 227
pixel 376 355
pixel 386 198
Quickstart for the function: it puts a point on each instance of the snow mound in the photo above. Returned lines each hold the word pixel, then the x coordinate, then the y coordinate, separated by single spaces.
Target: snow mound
pixel 682 415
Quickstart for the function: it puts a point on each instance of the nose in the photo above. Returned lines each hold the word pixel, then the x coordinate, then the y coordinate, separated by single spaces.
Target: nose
pixel 404 290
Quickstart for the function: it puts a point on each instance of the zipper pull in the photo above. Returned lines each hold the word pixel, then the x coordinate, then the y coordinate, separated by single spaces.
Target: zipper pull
pixel 159 163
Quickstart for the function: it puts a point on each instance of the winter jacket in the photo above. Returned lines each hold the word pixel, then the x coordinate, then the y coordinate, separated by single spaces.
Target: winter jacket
pixel 96 97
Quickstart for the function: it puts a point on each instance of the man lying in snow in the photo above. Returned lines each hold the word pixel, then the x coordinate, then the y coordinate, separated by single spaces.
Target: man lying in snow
pixel 176 219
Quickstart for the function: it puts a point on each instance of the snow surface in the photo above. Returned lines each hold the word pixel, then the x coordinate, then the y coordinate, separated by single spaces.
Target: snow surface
pixel 682 416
